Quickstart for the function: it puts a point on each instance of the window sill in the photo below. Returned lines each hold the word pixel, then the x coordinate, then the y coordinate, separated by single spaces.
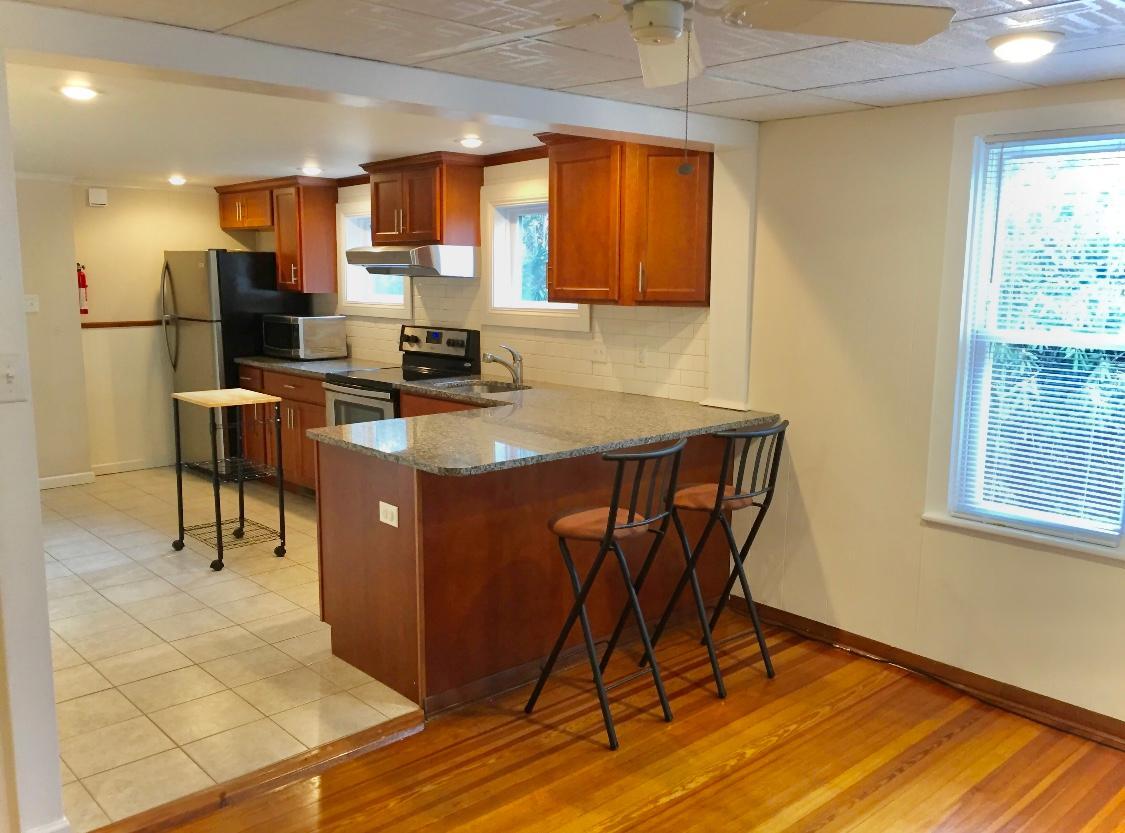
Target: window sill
pixel 575 321
pixel 1012 534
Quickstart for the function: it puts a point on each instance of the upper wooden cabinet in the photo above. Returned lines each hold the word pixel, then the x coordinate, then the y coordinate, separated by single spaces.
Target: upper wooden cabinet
pixel 301 210
pixel 432 198
pixel 627 225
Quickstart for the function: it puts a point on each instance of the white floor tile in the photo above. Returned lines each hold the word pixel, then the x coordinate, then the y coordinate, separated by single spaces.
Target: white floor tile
pixel 141 785
pixel 111 746
pixel 328 719
pixel 384 699
pixel 137 665
pixel 286 625
pixel 93 711
pixel 255 607
pixel 223 643
pixel 286 691
pixel 250 666
pixel 171 688
pixel 237 751
pixel 162 607
pixel 81 810
pixel 78 680
pixel 310 648
pixel 139 591
pixel 105 644
pixel 184 625
pixel 197 719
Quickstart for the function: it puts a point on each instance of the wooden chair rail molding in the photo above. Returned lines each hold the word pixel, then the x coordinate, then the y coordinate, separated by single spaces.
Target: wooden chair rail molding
pixel 1038 707
pixel 107 325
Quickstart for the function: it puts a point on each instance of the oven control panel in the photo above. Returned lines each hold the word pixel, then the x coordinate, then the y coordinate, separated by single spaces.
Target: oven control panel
pixel 436 341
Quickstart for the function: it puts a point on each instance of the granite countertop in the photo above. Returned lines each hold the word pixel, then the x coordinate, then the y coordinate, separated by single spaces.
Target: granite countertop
pixel 316 369
pixel 525 427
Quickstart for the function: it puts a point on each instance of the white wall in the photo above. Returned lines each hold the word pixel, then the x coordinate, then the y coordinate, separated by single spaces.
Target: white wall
pixel 58 377
pixel 30 798
pixel 851 238
pixel 674 339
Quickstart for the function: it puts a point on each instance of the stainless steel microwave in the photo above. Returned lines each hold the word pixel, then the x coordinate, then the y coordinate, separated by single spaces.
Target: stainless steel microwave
pixel 304 336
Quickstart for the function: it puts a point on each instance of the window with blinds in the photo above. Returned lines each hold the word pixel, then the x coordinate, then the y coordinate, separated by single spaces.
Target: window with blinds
pixel 1040 429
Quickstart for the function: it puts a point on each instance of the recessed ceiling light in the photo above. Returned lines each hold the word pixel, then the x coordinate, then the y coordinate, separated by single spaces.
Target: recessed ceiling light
pixel 311 170
pixel 77 92
pixel 471 140
pixel 1022 47
pixel 176 179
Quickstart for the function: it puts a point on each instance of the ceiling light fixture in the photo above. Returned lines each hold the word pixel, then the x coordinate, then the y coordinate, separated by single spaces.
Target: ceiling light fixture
pixel 78 92
pixel 311 170
pixel 1022 47
pixel 176 179
pixel 471 141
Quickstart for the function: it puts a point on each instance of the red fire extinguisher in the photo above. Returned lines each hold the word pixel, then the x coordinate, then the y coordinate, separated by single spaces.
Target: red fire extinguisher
pixel 83 299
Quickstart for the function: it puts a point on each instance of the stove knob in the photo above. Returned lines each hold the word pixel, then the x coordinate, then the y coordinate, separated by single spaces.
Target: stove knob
pixel 455 342
pixel 411 340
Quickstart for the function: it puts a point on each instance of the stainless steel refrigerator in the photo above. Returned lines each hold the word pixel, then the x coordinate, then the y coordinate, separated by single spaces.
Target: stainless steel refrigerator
pixel 212 304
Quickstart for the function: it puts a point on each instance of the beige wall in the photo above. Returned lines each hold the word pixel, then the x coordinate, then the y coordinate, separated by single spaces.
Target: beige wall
pixel 851 238
pixel 57 374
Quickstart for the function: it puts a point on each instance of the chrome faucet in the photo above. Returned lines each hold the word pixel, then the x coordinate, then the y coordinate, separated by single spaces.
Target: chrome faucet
pixel 515 366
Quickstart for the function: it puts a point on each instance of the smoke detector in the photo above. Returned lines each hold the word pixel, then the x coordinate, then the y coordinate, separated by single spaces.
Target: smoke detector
pixel 656 22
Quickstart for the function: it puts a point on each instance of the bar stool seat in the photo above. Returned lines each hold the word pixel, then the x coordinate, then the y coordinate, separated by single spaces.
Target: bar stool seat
pixel 701 498
pixel 591 524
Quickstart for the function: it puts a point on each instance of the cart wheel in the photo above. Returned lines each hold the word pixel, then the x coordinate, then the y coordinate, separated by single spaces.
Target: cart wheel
pixel 238 533
pixel 279 551
pixel 216 565
pixel 177 545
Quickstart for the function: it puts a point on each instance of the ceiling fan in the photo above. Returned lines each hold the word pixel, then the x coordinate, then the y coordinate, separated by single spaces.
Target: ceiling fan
pixel 667 45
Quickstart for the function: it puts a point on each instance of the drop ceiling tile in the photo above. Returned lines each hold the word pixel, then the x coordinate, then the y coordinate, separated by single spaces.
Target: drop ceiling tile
pixel 1066 67
pixel 360 28
pixel 704 90
pixel 926 86
pixel 824 66
pixel 536 64
pixel 779 106
pixel 503 15
pixel 195 15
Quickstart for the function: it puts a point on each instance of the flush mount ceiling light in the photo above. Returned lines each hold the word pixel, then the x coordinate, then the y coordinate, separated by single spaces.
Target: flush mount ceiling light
pixel 471 141
pixel 176 179
pixel 1022 47
pixel 78 92
pixel 311 170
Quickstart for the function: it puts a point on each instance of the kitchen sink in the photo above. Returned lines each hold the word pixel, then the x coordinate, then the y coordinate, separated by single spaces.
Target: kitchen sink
pixel 477 386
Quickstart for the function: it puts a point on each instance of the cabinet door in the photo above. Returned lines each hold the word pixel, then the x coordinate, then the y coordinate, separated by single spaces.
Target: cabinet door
pixel 309 417
pixel 230 211
pixel 421 205
pixel 667 232
pixel 256 209
pixel 584 255
pixel 291 442
pixel 287 232
pixel 253 437
pixel 386 208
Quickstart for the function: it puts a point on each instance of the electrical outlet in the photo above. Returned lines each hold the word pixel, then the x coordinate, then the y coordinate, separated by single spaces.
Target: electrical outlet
pixel 31 303
pixel 388 514
pixel 598 353
pixel 13 379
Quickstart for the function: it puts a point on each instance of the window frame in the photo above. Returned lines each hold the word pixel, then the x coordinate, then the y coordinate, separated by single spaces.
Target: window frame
pixel 497 200
pixel 969 135
pixel 357 207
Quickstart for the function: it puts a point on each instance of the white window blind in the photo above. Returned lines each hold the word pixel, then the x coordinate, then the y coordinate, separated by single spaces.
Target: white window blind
pixel 1040 430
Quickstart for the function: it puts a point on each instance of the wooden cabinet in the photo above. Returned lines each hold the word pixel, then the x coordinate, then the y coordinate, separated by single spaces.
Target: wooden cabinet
pixel 301 210
pixel 628 224
pixel 246 210
pixel 256 420
pixel 412 405
pixel 427 199
pixel 302 408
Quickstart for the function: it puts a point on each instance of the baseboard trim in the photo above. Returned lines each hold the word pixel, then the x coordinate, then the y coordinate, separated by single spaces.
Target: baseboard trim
pixel 58 481
pixel 57 826
pixel 1038 707
pixel 123 466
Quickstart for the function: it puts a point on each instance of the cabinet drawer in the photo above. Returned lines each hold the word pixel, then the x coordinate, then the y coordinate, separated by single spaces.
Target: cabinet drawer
pixel 297 388
pixel 250 378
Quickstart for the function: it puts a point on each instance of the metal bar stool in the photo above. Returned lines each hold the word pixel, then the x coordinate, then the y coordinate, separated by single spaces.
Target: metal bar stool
pixel 749 474
pixel 646 507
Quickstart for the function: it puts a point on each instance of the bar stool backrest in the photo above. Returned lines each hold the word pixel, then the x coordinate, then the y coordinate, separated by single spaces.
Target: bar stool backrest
pixel 750 463
pixel 643 486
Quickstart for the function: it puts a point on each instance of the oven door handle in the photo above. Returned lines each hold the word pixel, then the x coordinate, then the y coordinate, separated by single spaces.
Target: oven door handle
pixel 382 396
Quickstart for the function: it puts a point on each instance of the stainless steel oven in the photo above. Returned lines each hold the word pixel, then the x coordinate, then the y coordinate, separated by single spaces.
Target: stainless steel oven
pixel 346 406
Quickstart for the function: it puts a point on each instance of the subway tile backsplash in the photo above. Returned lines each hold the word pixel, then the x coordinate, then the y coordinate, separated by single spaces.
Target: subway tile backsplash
pixel 656 351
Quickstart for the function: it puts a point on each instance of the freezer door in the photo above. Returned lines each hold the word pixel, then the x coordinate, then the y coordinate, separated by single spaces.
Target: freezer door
pixel 194 281
pixel 199 368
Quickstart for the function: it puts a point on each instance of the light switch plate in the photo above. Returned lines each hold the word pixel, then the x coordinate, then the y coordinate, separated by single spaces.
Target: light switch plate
pixel 388 514
pixel 13 378
pixel 31 303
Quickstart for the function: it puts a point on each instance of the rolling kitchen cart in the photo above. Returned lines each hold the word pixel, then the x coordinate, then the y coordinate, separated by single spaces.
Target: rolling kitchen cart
pixel 242 532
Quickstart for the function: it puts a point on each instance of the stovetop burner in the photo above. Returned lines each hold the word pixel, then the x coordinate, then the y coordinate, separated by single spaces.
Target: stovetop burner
pixel 427 353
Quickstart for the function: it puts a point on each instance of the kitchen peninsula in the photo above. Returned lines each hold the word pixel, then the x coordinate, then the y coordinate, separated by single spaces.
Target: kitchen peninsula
pixel 439 576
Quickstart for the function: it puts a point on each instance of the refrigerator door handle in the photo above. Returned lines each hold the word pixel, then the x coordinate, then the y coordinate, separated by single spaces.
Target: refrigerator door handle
pixel 171 340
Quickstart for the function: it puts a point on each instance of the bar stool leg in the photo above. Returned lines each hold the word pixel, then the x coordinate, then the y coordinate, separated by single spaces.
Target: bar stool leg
pixel 178 544
pixel 639 615
pixel 700 608
pixel 578 611
pixel 641 576
pixel 741 571
pixel 217 564
pixel 682 584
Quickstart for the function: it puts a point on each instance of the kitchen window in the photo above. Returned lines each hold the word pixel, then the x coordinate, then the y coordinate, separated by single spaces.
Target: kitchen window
pixel 1039 426
pixel 514 253
pixel 360 292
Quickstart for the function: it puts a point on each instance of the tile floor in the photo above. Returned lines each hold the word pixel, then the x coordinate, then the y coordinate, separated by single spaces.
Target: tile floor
pixel 170 677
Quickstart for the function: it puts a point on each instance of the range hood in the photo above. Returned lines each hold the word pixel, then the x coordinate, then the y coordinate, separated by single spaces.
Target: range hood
pixel 419 262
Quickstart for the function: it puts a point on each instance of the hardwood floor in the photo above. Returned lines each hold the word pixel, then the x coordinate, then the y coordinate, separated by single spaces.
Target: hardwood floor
pixel 833 743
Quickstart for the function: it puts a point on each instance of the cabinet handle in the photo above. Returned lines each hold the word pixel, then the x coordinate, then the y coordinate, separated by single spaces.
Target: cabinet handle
pixel 293 273
pixel 238 210
pixel 641 278
pixel 290 387
pixel 401 220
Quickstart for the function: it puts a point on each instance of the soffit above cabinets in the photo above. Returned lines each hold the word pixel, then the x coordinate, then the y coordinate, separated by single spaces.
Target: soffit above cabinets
pixel 754 75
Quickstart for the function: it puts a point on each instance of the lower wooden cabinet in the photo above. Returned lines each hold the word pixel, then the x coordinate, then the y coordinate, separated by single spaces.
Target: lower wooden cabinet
pixel 259 438
pixel 412 405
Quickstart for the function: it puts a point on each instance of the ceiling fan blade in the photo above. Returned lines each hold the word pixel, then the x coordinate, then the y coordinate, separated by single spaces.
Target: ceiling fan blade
pixel 667 64
pixel 845 19
pixel 502 38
